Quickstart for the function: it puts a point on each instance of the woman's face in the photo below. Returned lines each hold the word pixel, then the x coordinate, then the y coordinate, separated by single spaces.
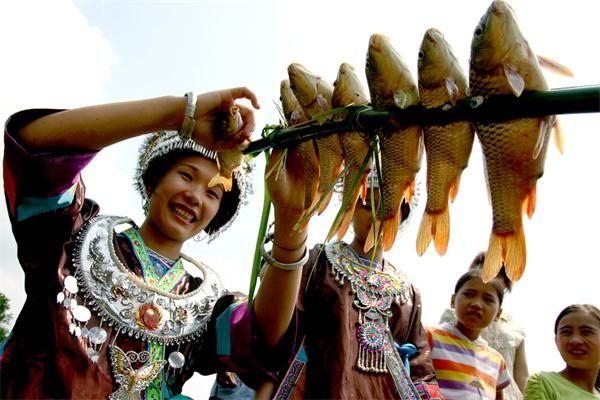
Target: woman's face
pixel 578 340
pixel 182 205
pixel 363 215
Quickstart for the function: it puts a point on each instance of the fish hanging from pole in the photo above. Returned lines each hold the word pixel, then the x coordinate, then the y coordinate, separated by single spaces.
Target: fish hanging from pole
pixel 442 83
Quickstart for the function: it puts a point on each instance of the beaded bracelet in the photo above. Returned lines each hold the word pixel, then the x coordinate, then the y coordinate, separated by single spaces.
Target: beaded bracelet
pixel 273 262
pixel 187 128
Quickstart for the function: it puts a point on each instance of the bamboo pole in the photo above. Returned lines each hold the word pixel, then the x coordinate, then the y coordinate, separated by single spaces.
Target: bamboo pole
pixel 584 99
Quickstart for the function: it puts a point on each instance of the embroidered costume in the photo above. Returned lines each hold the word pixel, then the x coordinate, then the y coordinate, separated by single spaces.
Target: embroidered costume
pixel 105 317
pixel 352 318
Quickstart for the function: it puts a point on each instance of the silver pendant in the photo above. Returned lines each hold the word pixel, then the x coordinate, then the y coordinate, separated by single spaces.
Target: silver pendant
pixel 97 335
pixel 176 359
pixel 70 284
pixel 131 381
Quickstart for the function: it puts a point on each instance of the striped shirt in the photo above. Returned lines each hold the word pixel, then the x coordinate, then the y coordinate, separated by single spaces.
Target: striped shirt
pixel 466 369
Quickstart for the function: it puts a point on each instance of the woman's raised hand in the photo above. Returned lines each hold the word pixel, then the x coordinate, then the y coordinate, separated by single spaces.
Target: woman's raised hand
pixel 210 108
pixel 286 184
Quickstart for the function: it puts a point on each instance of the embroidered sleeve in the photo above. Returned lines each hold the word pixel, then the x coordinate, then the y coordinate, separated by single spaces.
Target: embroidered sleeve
pixel 236 344
pixel 38 181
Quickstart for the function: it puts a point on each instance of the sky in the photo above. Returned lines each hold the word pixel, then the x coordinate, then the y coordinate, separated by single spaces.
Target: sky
pixel 62 54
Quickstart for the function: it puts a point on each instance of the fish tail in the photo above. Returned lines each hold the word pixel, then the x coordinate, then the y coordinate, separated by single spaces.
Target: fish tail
pixel 409 192
pixel 529 202
pixel 389 230
pixel 325 202
pixel 345 223
pixel 221 180
pixel 436 227
pixel 424 237
pixel 373 232
pixel 508 250
pixel 516 254
pixel 441 231
pixel 454 189
pixel 494 257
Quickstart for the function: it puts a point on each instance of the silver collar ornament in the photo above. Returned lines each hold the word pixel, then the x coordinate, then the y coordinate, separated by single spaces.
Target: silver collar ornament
pixel 122 300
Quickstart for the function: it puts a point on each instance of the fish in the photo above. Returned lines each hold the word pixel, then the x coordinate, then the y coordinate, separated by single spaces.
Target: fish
pixel 391 86
pixel 347 90
pixel 229 160
pixel 294 115
pixel 502 62
pixel 314 95
pixel 442 83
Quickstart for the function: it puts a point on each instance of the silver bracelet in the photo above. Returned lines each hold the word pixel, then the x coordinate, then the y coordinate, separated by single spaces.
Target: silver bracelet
pixel 187 128
pixel 266 255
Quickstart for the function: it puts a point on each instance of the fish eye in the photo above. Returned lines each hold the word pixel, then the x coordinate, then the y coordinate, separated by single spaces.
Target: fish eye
pixel 335 83
pixel 421 55
pixel 478 30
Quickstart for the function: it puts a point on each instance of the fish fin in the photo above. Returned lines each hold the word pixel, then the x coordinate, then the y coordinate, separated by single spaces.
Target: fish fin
pixel 454 189
pixel 554 66
pixel 515 80
pixel 222 180
pixel 529 202
pixel 322 101
pixel 452 89
pixel 401 99
pixel 559 139
pixel 325 202
pixel 425 236
pixel 363 189
pixel 544 128
pixel 345 224
pixel 441 231
pixel 409 192
pixel 516 254
pixel 373 232
pixel 494 257
pixel 389 230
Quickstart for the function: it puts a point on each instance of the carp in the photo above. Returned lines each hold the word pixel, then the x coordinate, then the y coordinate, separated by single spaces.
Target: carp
pixel 502 62
pixel 392 86
pixel 441 83
pixel 314 95
pixel 229 160
pixel 347 91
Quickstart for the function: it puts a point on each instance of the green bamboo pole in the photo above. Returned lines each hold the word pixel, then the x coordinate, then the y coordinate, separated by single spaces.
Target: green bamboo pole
pixel 584 99
pixel 262 230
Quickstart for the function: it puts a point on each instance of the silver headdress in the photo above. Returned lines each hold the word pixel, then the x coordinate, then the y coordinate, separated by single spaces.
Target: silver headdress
pixel 161 143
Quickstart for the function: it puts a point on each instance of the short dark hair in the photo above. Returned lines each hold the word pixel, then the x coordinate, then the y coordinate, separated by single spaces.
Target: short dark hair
pixel 159 166
pixel 502 285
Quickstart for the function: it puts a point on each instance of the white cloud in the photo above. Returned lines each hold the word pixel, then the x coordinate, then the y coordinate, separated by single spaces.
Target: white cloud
pixel 52 57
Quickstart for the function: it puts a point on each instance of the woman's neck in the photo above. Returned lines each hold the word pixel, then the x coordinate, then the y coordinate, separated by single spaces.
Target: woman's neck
pixel 158 242
pixel 471 334
pixel 584 378
pixel 358 246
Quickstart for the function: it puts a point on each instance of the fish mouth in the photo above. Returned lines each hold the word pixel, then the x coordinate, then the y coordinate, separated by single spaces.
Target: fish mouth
pixel 183 213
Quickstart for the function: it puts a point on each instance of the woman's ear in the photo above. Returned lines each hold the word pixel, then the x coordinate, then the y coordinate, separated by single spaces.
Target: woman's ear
pixel 452 301
pixel 498 314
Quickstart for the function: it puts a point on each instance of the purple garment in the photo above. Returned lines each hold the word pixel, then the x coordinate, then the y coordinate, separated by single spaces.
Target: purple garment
pixel 41 358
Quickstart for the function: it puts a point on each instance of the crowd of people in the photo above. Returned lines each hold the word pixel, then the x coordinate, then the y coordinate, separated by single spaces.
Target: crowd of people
pixel 115 310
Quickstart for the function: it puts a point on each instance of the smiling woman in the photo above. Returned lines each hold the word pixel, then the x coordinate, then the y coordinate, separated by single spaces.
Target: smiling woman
pixel 577 331
pixel 118 311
